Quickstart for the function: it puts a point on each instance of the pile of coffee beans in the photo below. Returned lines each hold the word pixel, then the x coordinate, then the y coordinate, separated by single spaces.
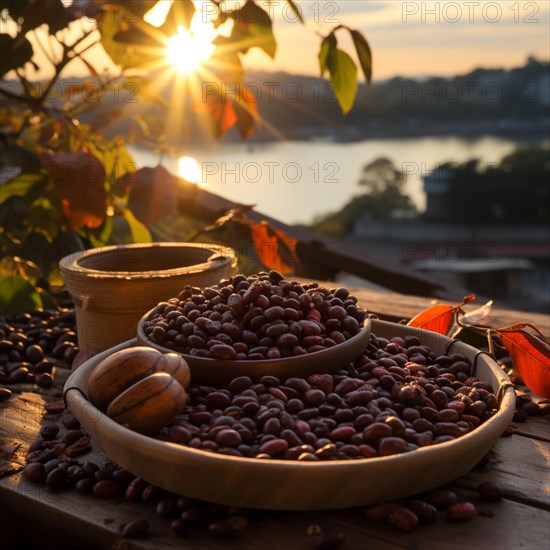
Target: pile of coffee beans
pixel 398 396
pixel 32 344
pixel 259 317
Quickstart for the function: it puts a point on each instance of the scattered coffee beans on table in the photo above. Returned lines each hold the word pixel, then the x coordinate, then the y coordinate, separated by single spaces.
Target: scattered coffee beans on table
pixel 252 318
pixel 30 341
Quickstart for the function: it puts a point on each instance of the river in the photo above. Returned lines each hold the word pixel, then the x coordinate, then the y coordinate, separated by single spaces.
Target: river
pixel 294 181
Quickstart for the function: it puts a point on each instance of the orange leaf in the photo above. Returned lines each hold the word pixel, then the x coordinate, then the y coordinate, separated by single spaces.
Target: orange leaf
pixel 79 181
pixel 247 113
pixel 275 249
pixel 438 318
pixel 531 356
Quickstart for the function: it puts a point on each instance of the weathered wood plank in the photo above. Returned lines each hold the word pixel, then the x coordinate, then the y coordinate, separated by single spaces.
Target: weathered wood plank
pixel 505 525
pixel 520 465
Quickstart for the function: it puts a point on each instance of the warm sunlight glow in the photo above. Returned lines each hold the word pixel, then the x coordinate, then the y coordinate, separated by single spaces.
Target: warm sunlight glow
pixel 186 50
pixel 157 14
pixel 189 169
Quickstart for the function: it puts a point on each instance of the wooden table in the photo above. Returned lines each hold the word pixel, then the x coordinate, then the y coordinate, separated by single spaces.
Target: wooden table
pixel 34 516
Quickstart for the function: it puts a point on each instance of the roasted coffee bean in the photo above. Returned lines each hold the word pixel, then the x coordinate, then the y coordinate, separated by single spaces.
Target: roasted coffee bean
pixel 380 512
pixel 441 498
pixel 5 394
pixel 404 519
pixel 461 511
pixel 57 478
pixel 107 488
pixel 135 528
pixel 34 471
pixel 84 485
pixel 490 491
pixel 49 432
pixel 426 512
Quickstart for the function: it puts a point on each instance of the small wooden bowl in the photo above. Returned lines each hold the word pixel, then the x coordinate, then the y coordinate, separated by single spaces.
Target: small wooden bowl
pixel 217 372
pixel 293 485
pixel 112 286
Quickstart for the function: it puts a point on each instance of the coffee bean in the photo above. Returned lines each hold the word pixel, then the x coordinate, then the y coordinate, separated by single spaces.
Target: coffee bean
pixel 426 512
pixel 135 528
pixel 57 478
pixel 461 511
pixel 442 498
pixel 107 488
pixel 490 491
pixel 404 519
pixel 34 471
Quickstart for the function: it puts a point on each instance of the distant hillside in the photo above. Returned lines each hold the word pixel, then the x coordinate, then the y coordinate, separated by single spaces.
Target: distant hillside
pixel 485 101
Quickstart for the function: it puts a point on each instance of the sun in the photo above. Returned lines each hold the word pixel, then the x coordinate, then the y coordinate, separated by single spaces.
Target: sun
pixel 189 169
pixel 188 49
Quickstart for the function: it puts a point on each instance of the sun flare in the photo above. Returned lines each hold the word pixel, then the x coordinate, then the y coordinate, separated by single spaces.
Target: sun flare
pixel 189 169
pixel 187 50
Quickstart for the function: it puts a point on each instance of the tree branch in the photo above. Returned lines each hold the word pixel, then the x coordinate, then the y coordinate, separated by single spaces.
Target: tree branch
pixel 66 59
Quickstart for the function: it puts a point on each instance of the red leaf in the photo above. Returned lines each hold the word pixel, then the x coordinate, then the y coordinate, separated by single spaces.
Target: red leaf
pixel 79 181
pixel 275 249
pixel 531 356
pixel 153 194
pixel 438 318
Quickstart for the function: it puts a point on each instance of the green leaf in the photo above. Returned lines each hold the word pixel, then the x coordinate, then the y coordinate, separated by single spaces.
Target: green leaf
pixel 21 185
pixel 343 76
pixel 33 247
pixel 328 47
pixel 18 296
pixel 15 52
pixel 114 27
pixel 65 243
pixel 296 9
pixel 180 13
pixel 116 160
pixel 140 233
pixel 13 214
pixel 364 53
pixel 253 28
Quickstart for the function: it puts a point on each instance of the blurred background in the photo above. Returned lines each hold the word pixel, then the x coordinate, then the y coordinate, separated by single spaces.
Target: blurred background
pixel 441 167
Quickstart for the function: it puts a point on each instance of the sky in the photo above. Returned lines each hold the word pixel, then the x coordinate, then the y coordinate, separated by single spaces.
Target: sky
pixel 407 38
pixel 417 38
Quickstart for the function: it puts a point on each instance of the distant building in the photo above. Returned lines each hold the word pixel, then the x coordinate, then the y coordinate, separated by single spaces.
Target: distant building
pixel 436 187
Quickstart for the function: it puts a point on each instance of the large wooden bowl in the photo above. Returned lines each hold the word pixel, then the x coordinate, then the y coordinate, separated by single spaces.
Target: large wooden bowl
pixel 213 371
pixel 291 485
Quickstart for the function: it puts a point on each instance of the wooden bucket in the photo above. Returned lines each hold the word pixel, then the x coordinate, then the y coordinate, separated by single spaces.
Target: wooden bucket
pixel 112 287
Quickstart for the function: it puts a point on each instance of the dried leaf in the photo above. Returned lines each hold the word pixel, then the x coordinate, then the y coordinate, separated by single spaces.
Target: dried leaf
pixel 235 214
pixel 438 318
pixel 79 181
pixel 275 249
pixel 7 450
pixel 476 315
pixel 530 354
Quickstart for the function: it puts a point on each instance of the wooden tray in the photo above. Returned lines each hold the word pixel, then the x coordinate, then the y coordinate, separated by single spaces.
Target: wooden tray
pixel 291 485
